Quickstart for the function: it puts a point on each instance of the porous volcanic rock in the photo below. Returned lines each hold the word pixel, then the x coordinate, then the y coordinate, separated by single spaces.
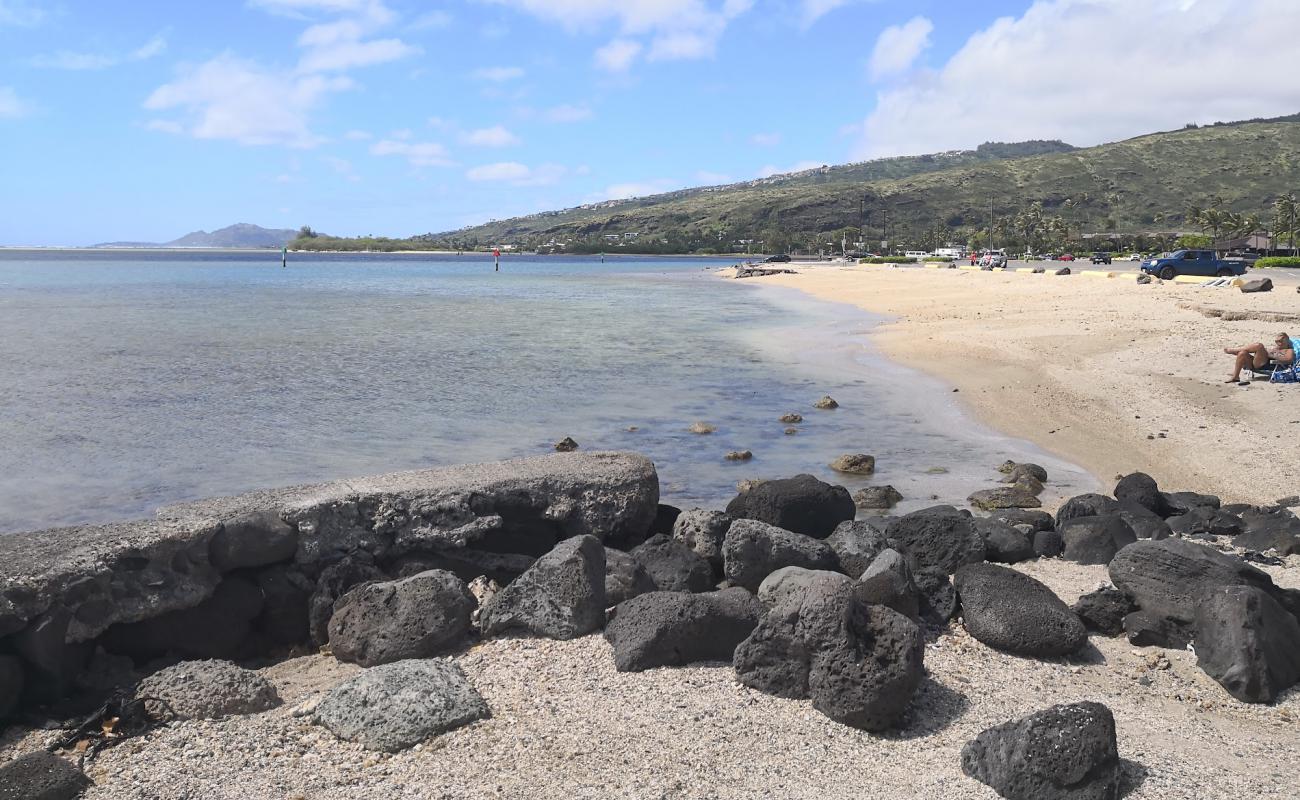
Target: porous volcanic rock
pixel 1095 540
pixel 703 531
pixel 209 690
pixel 41 776
pixel 625 578
pixel 753 550
pixel 940 537
pixel 802 504
pixel 421 616
pixel 561 596
pixel 1248 643
pixel 1011 611
pixel 673 566
pixel 670 629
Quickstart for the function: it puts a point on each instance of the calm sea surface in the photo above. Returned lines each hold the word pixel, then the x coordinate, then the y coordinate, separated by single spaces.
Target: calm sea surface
pixel 131 380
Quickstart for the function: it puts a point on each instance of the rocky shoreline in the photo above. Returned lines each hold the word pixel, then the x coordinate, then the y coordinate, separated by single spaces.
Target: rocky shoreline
pixel 804 595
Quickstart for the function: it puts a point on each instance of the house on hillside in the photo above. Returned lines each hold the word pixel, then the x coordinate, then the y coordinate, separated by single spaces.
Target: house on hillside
pixel 1258 242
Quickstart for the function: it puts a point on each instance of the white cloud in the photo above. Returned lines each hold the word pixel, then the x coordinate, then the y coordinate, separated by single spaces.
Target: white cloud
pixel 770 170
pixel 898 47
pixel 517 174
pixel 618 55
pixel 11 106
pixel 624 191
pixel 1013 80
pixel 499 74
pixel 358 135
pixel 567 113
pixel 20 14
pixel 431 21
pixel 165 126
pixel 69 60
pixel 300 8
pixel 813 10
pixel 663 29
pixel 765 139
pixel 419 154
pixel 232 98
pixel 496 136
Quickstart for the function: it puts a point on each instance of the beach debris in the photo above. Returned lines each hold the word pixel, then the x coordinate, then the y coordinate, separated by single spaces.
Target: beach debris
pixel 1095 540
pixel 791 418
pixel 673 566
pixel 672 629
pixel 625 577
pixel 1065 752
pixel 561 596
pixel 703 531
pixel 1003 543
pixel 802 504
pixel 753 550
pixel 826 403
pixel 566 445
pixel 702 428
pixel 859 663
pixel 855 464
pixel 421 616
pixel 877 497
pixel 739 455
pixel 395 706
pixel 208 689
pixel 940 538
pixel 1103 610
pixel 43 775
pixel 1010 611
pixel 1018 496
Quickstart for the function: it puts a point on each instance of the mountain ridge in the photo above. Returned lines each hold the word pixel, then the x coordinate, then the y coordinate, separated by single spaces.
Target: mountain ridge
pixel 239 235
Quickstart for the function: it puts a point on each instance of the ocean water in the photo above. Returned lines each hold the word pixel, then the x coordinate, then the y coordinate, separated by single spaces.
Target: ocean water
pixel 131 380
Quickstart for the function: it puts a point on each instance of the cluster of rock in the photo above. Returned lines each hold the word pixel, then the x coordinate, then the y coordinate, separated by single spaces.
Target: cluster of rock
pixel 801 596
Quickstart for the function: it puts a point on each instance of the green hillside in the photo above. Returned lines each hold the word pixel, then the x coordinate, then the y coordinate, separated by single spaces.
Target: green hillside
pixel 1142 185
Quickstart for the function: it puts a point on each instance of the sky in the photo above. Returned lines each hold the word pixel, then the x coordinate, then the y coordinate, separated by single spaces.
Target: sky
pixel 142 120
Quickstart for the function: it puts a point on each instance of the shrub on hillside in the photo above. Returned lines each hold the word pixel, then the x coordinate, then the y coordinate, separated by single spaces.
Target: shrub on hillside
pixel 1278 261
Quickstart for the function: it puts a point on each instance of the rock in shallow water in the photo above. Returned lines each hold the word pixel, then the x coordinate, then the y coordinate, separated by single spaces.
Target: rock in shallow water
pixel 209 690
pixel 877 497
pixel 855 464
pixel 395 706
pixel 561 596
pixel 1062 753
pixel 1005 497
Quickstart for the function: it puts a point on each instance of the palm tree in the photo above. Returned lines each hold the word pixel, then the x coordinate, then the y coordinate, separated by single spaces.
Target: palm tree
pixel 1285 208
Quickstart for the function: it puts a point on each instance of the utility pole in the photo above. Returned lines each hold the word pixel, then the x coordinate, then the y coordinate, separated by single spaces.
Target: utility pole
pixel 990 223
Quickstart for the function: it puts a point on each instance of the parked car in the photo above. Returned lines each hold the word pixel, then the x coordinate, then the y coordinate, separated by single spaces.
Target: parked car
pixel 1192 262
pixel 1101 258
pixel 1135 257
pixel 779 258
pixel 1049 256
pixel 1065 257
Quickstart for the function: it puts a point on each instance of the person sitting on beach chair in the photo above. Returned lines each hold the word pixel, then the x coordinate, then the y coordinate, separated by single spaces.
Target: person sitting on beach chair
pixel 1258 358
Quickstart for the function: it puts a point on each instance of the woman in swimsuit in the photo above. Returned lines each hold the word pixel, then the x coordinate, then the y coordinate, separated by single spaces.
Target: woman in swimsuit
pixel 1257 355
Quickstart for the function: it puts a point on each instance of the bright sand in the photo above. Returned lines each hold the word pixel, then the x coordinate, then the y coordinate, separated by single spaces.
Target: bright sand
pixel 1109 374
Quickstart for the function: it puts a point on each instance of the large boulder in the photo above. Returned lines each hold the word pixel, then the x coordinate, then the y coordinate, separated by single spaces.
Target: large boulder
pixel 41 776
pixel 670 629
pixel 1140 489
pixel 1065 752
pixel 940 537
pixel 1095 540
pixel 1170 578
pixel 417 617
pixel 1002 543
pixel 788 581
pixel 1085 505
pixel 856 544
pixel 888 582
pixel 703 531
pixel 1048 544
pixel 753 550
pixel 398 705
pixel 859 663
pixel 673 566
pixel 1103 610
pixel 255 539
pixel 335 581
pixel 561 596
pixel 209 690
pixel 1248 643
pixel 1269 529
pixel 1011 611
pixel 625 578
pixel 801 504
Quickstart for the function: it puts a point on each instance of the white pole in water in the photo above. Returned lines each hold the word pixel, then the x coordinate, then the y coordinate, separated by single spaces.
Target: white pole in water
pixel 284 256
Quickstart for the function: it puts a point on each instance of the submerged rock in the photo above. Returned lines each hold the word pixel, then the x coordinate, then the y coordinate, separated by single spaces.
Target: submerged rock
pixel 855 464
pixel 702 428
pixel 826 403
pixel 877 497
pixel 739 455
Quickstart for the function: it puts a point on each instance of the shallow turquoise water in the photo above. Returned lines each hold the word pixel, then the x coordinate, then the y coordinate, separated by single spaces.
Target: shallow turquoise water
pixel 128 380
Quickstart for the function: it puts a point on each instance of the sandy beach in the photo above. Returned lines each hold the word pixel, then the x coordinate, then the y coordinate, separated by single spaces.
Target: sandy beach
pixel 1112 375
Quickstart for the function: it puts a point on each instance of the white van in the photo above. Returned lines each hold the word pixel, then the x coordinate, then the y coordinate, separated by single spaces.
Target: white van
pixel 917 254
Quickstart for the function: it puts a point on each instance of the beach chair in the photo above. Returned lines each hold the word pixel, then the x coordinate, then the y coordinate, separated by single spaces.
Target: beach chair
pixel 1275 373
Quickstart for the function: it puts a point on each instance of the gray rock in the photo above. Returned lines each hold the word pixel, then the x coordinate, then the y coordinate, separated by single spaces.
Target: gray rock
pixel 801 504
pixel 1011 611
pixel 128 572
pixel 1103 610
pixel 1005 497
pixel 1015 470
pixel 753 550
pixel 209 690
pixel 670 629
pixel 255 539
pixel 41 776
pixel 673 566
pixel 1169 578
pixel 1257 285
pixel 937 596
pixel 566 445
pixel 888 582
pixel 1038 520
pixel 859 663
pixel 417 617
pixel 1151 630
pixel 1085 505
pixel 1095 540
pixel 854 464
pixel 1048 544
pixel 218 627
pixel 1062 753
pixel 1146 524
pixel 1248 643
pixel 788 581
pixel 826 403
pixel 940 537
pixel 399 705
pixel 877 497
pixel 1141 489
pixel 703 531
pixel 1003 543
pixel 856 544
pixel 625 578
pixel 1182 502
pixel 334 582
pixel 11 685
pixel 562 596
pixel 739 455
pixel 1270 529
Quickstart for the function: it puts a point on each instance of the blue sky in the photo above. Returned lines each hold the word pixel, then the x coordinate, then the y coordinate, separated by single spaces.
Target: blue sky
pixel 144 120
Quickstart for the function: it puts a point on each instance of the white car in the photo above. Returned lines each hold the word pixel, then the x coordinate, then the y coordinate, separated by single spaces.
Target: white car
pixel 1135 257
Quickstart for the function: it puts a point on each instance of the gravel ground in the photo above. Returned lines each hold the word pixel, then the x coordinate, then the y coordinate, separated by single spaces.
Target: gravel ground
pixel 566 725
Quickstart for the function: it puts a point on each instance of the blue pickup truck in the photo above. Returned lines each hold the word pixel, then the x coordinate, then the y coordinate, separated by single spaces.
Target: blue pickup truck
pixel 1192 262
